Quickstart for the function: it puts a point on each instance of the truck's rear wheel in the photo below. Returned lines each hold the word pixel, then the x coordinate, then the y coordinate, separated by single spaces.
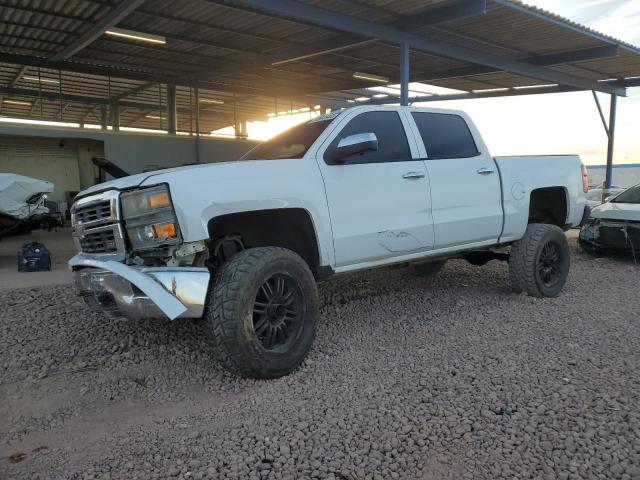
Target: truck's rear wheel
pixel 262 312
pixel 539 261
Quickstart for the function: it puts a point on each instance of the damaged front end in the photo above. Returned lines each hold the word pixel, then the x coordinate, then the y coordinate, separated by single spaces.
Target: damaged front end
pixel 611 234
pixel 132 261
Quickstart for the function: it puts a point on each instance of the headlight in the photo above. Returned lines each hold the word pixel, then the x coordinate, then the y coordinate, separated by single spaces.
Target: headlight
pixel 149 217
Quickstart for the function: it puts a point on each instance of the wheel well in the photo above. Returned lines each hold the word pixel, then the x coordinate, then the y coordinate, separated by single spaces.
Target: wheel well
pixel 548 205
pixel 290 228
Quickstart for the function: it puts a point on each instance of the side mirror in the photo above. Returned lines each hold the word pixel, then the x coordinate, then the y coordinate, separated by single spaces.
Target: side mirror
pixel 358 143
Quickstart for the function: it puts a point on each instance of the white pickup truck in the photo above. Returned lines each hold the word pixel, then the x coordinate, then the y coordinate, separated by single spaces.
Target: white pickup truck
pixel 242 243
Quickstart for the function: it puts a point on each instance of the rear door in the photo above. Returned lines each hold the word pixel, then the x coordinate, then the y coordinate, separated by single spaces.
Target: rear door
pixel 465 184
pixel 378 200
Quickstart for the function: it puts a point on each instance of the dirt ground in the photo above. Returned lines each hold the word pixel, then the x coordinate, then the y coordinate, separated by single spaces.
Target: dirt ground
pixel 410 378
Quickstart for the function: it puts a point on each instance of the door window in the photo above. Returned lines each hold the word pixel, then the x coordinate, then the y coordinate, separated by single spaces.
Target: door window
pixel 445 135
pixel 388 128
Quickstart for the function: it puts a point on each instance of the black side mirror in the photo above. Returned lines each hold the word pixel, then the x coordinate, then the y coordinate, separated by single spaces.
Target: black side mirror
pixel 358 143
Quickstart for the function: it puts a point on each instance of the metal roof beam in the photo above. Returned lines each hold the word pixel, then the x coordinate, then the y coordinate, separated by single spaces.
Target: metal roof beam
pixel 501 92
pixel 297 95
pixel 18 76
pixel 123 9
pixel 56 97
pixel 310 14
pixel 443 13
pixel 584 54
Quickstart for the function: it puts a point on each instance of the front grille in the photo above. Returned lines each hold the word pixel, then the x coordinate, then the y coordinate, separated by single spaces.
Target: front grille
pixel 103 241
pixel 94 212
pixel 96 225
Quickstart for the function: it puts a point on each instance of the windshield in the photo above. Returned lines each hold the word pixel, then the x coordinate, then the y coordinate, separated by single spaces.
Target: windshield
pixel 292 143
pixel 630 195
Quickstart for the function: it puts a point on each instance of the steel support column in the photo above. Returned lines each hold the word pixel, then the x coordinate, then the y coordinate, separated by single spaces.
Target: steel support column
pixel 114 114
pixel 103 117
pixel 404 74
pixel 612 134
pixel 172 118
pixel 197 100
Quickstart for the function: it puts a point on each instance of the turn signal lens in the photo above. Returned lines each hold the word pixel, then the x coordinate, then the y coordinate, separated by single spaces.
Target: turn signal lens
pixel 163 231
pixel 160 199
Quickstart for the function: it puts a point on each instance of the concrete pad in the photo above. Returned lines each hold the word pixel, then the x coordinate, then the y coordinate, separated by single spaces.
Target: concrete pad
pixel 61 247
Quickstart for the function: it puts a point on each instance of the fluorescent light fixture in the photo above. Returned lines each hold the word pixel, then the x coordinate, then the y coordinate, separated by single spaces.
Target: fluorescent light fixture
pixel 154 117
pixel 488 90
pixel 527 87
pixel 31 78
pixel 271 114
pixel 17 102
pixel 305 109
pixel 212 100
pixel 133 35
pixel 380 95
pixel 370 77
pixel 362 99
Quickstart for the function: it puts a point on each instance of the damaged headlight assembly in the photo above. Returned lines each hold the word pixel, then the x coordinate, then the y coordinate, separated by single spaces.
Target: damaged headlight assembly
pixel 149 218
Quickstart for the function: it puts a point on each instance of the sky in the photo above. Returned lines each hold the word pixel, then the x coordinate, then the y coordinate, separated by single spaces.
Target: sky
pixel 559 123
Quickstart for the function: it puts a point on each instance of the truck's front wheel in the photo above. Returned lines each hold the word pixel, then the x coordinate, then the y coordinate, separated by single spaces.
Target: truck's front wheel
pixel 262 312
pixel 539 261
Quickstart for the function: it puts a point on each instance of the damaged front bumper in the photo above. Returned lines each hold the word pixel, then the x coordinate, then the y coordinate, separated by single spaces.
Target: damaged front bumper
pixel 620 235
pixel 141 292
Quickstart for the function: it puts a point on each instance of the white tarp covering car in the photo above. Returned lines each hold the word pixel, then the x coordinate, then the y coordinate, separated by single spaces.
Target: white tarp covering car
pixel 21 198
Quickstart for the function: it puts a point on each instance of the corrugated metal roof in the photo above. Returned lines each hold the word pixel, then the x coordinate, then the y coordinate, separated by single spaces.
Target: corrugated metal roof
pixel 206 38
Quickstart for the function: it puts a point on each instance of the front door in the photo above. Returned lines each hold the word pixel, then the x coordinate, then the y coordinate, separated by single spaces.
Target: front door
pixel 378 200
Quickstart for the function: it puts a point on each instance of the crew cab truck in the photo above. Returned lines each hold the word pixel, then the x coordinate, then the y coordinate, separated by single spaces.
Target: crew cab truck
pixel 242 244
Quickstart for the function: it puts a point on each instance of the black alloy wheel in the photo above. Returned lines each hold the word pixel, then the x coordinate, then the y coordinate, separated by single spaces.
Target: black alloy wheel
pixel 549 264
pixel 278 312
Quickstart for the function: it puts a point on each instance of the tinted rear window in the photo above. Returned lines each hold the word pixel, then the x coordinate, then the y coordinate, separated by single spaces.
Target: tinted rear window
pixel 445 135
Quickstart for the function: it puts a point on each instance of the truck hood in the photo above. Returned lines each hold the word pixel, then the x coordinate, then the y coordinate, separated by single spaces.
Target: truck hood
pixel 617 211
pixel 137 180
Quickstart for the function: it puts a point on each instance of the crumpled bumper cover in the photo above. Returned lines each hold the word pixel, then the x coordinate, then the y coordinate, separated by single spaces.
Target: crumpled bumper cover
pixel 141 292
pixel 612 234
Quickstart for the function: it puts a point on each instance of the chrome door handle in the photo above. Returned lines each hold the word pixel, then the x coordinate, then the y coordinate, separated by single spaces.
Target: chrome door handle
pixel 410 175
pixel 485 171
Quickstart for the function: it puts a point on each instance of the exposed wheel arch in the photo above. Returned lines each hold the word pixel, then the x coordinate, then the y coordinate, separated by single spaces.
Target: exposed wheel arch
pixel 290 228
pixel 549 205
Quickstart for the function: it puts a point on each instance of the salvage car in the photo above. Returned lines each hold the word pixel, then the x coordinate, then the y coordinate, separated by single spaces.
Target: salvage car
pixel 595 195
pixel 22 201
pixel 242 244
pixel 614 225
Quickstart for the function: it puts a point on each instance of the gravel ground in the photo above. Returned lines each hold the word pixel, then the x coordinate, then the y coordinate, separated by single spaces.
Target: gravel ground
pixel 451 377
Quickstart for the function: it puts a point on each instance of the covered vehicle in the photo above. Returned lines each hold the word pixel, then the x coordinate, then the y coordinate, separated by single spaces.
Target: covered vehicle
pixel 21 199
pixel 614 225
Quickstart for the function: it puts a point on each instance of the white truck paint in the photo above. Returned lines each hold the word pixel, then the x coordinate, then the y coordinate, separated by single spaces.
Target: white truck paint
pixel 372 214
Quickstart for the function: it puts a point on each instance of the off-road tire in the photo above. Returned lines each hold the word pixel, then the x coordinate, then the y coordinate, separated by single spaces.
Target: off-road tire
pixel 428 269
pixel 229 312
pixel 526 260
